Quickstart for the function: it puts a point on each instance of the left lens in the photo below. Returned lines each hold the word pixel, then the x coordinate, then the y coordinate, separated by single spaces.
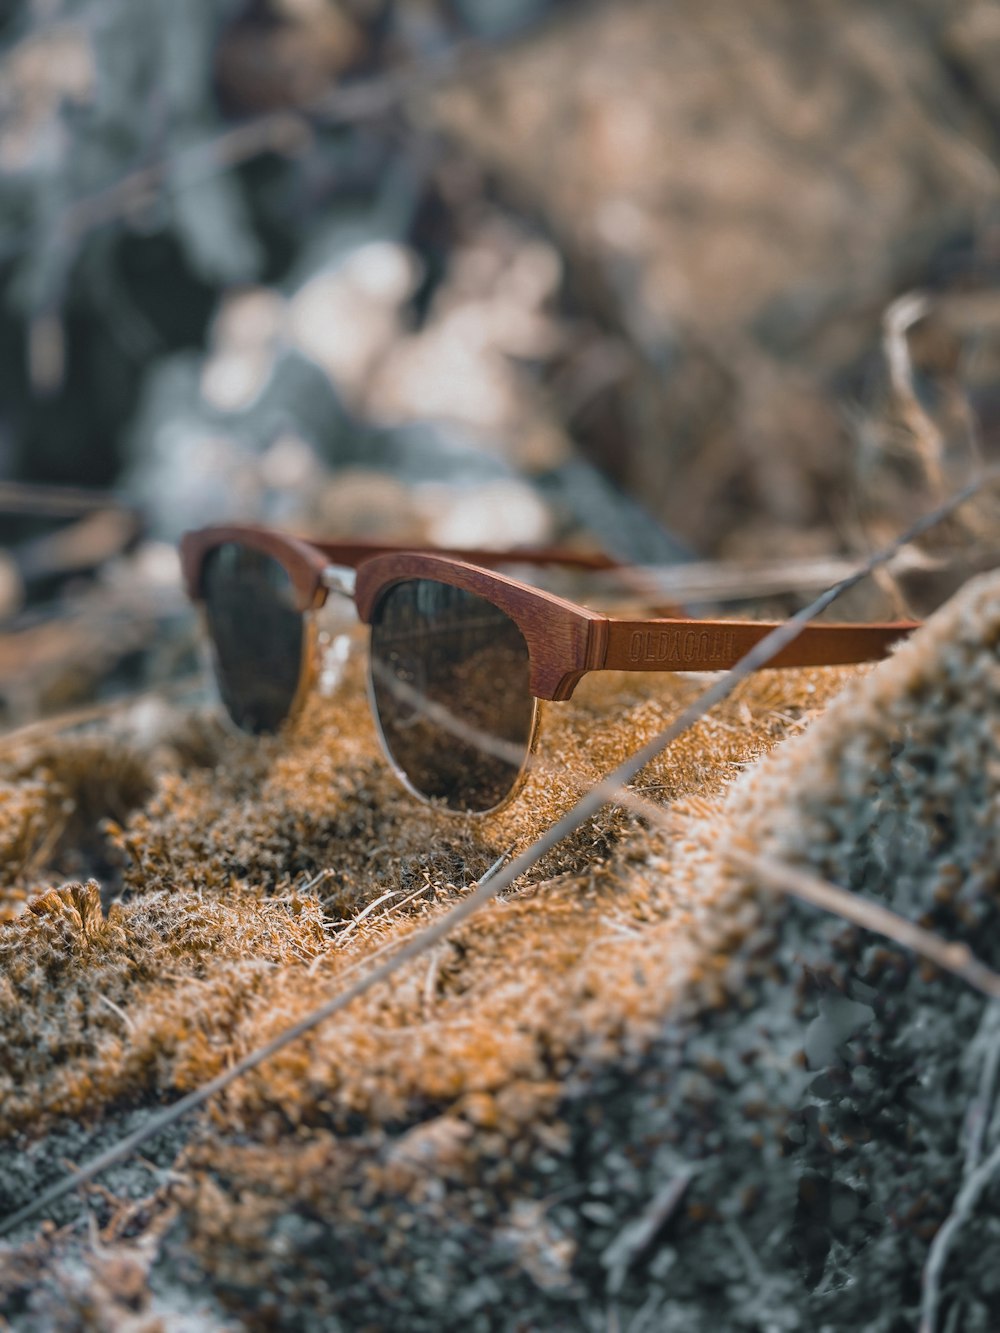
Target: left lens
pixel 450 685
pixel 258 635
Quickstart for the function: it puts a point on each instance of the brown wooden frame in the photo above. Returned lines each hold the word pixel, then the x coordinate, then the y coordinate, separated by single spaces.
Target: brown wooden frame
pixel 565 640
pixel 305 559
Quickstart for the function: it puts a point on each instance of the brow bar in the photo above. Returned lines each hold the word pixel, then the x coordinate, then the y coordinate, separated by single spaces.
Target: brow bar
pixel 717 645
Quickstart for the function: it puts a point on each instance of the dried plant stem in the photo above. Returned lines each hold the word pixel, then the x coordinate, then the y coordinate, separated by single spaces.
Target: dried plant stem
pixel 22 497
pixel 977 1122
pixel 603 793
pixel 897 321
pixel 32 732
pixel 966 1200
pixel 950 957
pixel 975 1176
pixel 731 580
pixel 355 921
pixel 637 1235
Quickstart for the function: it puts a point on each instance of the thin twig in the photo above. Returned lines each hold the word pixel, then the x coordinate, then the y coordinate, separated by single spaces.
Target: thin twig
pixel 431 980
pixel 398 907
pixel 731 580
pixel 953 1322
pixel 118 1011
pixel 604 792
pixel 22 497
pixel 977 1121
pixel 967 1198
pixel 315 881
pixel 80 717
pixel 897 321
pixel 355 921
pixel 949 956
pixel 751 1263
pixel 637 1235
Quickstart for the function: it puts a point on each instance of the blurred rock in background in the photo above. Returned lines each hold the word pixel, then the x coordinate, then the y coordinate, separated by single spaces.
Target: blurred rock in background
pixel 741 197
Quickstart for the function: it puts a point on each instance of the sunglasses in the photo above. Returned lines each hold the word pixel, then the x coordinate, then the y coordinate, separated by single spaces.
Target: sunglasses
pixel 460 654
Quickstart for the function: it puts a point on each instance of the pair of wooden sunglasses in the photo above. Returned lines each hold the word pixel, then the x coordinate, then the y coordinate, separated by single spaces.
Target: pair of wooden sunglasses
pixel 460 653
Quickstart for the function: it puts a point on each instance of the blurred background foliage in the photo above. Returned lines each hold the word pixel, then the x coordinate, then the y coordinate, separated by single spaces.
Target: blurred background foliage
pixel 495 271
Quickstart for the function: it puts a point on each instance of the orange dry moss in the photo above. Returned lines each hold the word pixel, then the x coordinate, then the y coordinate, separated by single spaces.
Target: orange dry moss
pixel 54 800
pixel 242 881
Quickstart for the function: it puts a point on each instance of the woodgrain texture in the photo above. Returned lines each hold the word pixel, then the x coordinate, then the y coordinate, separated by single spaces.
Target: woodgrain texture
pixel 717 645
pixel 565 640
pixel 303 562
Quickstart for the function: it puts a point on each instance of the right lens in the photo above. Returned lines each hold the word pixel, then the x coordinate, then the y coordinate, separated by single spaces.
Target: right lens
pixel 258 635
pixel 450 685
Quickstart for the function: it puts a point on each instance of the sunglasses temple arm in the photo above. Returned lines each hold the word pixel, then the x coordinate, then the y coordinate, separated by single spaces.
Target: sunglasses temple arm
pixel 353 553
pixel 706 645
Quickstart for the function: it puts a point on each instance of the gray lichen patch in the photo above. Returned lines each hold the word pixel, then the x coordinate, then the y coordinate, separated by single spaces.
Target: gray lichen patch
pixel 894 794
pixel 895 791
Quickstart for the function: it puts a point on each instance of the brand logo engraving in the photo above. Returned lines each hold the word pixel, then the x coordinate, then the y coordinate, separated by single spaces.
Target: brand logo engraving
pixel 680 647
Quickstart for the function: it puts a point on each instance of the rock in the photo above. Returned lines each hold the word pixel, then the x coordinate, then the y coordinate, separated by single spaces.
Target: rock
pixel 740 196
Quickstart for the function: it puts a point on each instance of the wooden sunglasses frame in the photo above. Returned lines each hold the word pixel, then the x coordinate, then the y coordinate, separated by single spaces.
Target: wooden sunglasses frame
pixel 565 640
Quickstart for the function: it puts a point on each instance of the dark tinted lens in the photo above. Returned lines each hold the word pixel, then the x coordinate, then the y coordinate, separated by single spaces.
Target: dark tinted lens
pixel 257 635
pixel 450 683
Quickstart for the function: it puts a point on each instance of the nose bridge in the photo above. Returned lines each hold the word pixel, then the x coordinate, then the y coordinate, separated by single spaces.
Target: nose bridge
pixel 340 578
